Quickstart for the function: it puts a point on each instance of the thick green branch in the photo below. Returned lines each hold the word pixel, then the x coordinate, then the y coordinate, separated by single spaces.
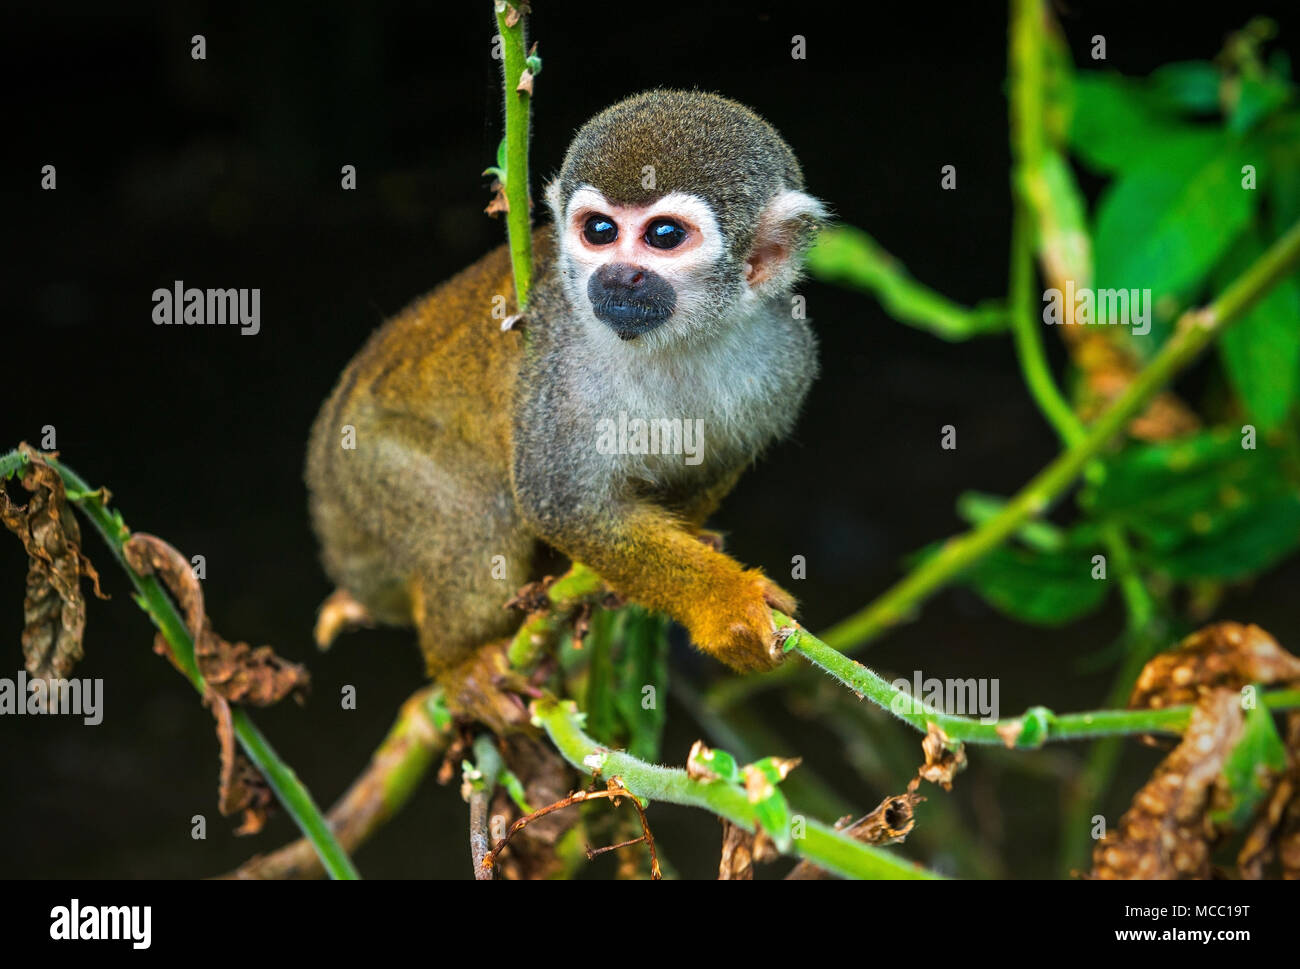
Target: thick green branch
pixel 821 844
pixel 154 600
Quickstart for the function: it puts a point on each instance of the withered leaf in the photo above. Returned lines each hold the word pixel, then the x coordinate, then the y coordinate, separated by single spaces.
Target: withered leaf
pixel 1166 833
pixel 1177 818
pixel 941 764
pixel 499 204
pixel 888 823
pixel 235 671
pixel 54 610
pixel 1225 655
pixel 231 672
pixel 241 786
pixel 740 850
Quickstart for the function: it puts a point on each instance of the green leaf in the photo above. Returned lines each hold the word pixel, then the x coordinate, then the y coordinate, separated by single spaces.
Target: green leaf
pixel 644 662
pixel 1257 98
pixel 773 814
pixel 1251 542
pixel 1249 770
pixel 1202 507
pixel 718 762
pixel 1162 226
pixel 1261 353
pixel 498 171
pixel 1284 186
pixel 1186 86
pixel 598 644
pixel 1045 589
pixel 976 507
pixel 1115 122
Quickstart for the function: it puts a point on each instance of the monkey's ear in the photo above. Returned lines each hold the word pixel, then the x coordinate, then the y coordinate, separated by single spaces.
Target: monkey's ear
pixel 787 227
pixel 552 195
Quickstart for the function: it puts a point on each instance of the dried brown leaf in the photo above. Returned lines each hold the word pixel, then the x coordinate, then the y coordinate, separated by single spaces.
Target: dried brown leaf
pixel 941 764
pixel 1168 831
pixel 236 671
pixel 1226 655
pixel 54 610
pixel 231 672
pixel 740 850
pixel 888 823
pixel 241 786
pixel 499 204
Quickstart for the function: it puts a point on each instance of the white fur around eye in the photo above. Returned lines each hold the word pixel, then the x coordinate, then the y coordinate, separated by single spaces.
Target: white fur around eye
pixel 684 268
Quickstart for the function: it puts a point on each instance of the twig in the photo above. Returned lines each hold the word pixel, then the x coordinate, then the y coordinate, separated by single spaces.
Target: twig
pixel 487 761
pixel 613 792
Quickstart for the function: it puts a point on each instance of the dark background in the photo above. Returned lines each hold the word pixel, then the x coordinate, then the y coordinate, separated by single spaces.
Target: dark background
pixel 225 172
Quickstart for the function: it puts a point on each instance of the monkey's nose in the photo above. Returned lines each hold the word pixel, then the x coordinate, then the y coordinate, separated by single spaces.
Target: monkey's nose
pixel 630 299
pixel 626 277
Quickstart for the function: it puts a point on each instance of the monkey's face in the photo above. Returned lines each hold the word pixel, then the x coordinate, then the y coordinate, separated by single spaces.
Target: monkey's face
pixel 664 271
pixel 637 268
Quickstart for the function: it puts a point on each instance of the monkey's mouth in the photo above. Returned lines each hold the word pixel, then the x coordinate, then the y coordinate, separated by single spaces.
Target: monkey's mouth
pixel 631 318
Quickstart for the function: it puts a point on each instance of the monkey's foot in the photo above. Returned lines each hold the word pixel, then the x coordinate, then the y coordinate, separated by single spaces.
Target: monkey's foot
pixel 484 688
pixel 710 538
pixel 340 613
pixel 532 597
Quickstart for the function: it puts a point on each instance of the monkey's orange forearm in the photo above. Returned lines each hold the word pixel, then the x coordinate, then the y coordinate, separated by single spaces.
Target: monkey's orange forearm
pixel 647 555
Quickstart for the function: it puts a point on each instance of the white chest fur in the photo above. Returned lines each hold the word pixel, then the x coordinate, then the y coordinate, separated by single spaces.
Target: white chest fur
pixel 669 415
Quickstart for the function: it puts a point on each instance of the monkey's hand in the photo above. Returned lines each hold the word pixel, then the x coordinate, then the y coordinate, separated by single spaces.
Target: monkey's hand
pixel 735 623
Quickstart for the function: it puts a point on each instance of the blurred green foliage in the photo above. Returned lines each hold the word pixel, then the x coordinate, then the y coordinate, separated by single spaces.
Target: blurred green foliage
pixel 1201 169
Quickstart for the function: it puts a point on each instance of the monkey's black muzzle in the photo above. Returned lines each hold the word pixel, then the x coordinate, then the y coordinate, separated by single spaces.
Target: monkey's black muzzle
pixel 630 300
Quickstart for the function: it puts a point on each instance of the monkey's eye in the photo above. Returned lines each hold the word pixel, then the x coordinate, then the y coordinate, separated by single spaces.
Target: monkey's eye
pixel 599 230
pixel 664 234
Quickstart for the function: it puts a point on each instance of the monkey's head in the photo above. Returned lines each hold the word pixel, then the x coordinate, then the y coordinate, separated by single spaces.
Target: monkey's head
pixel 676 213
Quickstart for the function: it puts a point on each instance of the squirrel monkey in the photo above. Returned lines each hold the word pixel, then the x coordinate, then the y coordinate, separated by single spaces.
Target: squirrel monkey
pixel 663 296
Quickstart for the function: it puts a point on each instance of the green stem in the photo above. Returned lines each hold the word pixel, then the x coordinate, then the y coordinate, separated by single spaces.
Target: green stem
pixel 1032 198
pixel 518 221
pixel 821 844
pixel 155 601
pixel 1031 729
